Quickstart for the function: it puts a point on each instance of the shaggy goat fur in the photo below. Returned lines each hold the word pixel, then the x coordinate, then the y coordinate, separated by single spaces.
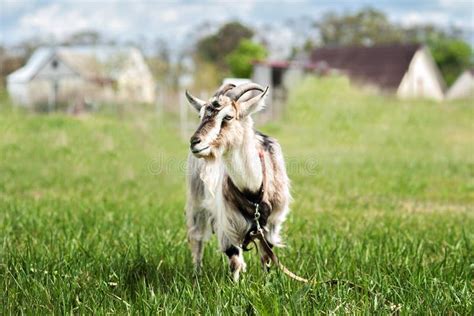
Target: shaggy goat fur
pixel 225 172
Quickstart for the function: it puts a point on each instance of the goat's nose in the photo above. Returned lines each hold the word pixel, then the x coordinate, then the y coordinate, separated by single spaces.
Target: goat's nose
pixel 195 140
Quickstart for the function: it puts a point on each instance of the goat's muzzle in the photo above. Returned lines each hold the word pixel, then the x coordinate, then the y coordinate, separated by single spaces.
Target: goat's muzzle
pixel 197 148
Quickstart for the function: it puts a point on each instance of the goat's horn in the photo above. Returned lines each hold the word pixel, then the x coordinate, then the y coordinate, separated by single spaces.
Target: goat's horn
pixel 239 91
pixel 224 88
pixel 195 102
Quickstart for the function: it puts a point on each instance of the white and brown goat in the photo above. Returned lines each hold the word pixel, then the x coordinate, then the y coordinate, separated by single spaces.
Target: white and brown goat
pixel 233 168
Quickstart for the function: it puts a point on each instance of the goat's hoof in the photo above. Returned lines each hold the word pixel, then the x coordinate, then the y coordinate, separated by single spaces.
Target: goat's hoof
pixel 197 270
pixel 266 263
pixel 197 266
pixel 237 265
pixel 236 276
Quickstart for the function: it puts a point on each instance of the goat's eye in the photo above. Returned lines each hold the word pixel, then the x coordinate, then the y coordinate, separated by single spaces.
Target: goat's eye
pixel 228 117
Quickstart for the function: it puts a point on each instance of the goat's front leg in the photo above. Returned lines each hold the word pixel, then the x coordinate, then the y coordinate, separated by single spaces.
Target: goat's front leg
pixel 198 233
pixel 236 261
pixel 235 255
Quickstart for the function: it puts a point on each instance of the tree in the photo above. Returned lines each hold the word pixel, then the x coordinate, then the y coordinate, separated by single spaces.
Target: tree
pixel 240 60
pixel 366 27
pixel 214 48
pixel 88 37
pixel 453 56
pixel 159 61
pixel 207 78
pixel 8 64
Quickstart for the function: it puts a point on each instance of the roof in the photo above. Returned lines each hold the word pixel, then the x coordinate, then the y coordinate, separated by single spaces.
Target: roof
pixel 383 65
pixel 36 61
pixel 96 62
pixel 285 64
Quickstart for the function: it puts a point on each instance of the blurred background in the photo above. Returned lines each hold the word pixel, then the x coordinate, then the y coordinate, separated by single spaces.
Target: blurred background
pixel 77 55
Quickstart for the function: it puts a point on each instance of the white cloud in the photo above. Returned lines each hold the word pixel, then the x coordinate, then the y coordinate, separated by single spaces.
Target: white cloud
pixel 134 19
pixel 439 18
pixel 456 4
pixel 113 17
pixel 169 15
pixel 61 20
pixel 15 6
pixel 417 18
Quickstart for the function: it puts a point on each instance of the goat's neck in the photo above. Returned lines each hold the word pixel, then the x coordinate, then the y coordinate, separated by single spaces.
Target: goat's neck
pixel 243 164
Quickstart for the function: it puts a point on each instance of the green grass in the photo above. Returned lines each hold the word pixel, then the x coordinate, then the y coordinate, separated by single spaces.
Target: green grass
pixel 92 220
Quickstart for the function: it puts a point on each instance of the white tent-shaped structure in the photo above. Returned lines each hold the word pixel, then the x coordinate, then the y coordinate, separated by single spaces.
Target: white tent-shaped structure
pixel 463 87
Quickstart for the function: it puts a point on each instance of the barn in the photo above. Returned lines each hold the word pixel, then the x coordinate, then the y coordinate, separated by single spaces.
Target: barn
pixel 463 87
pixel 408 70
pixel 71 75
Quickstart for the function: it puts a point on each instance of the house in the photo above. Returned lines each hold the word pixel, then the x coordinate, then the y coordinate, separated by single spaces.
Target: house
pixel 463 87
pixel 405 69
pixel 67 75
pixel 409 71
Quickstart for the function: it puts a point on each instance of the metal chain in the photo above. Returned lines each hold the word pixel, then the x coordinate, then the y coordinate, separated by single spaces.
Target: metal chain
pixel 257 216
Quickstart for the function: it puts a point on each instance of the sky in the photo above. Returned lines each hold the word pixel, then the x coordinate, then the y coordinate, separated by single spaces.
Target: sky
pixel 176 21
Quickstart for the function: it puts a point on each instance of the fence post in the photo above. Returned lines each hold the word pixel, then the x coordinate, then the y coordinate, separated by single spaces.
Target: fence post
pixel 160 102
pixel 183 114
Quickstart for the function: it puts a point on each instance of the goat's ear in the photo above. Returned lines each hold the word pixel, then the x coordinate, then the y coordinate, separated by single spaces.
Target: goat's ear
pixel 253 105
pixel 195 102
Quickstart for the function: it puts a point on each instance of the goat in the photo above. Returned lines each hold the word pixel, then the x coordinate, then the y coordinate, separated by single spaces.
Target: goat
pixel 232 167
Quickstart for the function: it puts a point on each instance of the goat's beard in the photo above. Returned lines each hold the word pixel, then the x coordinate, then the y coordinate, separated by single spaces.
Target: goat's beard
pixel 211 173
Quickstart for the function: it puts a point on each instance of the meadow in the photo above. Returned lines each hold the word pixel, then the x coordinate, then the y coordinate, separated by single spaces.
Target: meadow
pixel 92 211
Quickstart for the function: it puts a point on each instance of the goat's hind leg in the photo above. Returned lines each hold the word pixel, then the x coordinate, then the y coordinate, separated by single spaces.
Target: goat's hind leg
pixel 198 232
